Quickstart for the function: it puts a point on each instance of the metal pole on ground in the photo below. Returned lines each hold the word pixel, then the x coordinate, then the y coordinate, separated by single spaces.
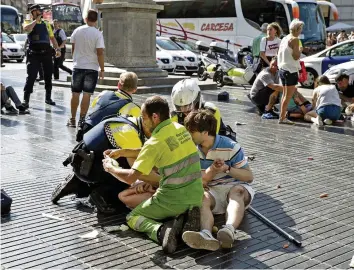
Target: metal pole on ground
pixel 274 226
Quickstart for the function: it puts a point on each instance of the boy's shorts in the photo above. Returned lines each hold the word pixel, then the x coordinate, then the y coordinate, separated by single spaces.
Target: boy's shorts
pixel 220 193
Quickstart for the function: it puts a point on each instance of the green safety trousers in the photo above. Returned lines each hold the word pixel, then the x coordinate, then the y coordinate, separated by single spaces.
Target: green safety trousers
pixel 144 218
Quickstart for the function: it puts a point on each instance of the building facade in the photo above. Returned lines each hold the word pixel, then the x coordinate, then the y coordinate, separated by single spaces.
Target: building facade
pixel 346 11
pixel 21 5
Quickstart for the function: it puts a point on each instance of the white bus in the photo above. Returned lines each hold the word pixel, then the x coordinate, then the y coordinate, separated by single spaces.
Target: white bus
pixel 239 20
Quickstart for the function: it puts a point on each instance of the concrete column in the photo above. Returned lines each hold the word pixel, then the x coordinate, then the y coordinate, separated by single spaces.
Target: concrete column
pixel 129 30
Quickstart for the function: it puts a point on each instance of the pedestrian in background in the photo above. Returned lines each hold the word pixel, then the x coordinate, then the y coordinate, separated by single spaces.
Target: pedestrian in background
pixel 87 48
pixel 270 44
pixel 39 54
pixel 289 65
pixel 60 37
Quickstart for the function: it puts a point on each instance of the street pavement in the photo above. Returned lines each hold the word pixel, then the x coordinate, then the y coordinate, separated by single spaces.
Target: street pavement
pixel 294 166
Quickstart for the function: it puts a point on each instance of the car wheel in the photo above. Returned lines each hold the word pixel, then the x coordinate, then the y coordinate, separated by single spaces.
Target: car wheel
pixel 243 61
pixel 202 76
pixel 19 61
pixel 189 73
pixel 311 77
pixel 219 78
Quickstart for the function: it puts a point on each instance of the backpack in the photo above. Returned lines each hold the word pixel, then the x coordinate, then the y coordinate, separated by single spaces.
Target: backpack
pixel 6 202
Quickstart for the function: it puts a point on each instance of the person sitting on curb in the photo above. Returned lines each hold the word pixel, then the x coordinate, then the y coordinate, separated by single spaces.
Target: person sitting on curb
pixel 346 92
pixel 112 103
pixel 226 176
pixel 8 94
pixel 326 103
pixel 172 151
pixel 266 89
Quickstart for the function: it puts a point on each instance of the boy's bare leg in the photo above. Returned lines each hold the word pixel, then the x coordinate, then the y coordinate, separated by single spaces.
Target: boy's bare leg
pixel 131 199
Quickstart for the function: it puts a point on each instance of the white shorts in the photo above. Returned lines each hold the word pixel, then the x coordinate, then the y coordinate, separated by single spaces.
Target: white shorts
pixel 220 193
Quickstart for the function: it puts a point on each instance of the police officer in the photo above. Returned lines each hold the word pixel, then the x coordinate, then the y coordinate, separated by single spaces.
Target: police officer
pixel 60 37
pixel 39 53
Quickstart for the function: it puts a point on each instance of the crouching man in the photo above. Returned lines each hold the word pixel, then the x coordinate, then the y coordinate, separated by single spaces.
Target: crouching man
pixel 226 177
pixel 171 150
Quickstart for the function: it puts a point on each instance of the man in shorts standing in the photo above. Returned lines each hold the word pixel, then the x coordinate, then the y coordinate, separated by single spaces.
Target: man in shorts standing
pixel 226 177
pixel 87 48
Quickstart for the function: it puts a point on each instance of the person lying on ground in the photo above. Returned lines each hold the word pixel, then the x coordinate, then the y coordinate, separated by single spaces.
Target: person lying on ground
pixel 345 86
pixel 171 150
pixel 7 94
pixel 325 102
pixel 227 177
pixel 266 88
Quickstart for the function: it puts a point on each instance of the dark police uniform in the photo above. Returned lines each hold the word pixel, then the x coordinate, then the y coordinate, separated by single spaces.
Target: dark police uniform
pixel 39 53
pixel 58 61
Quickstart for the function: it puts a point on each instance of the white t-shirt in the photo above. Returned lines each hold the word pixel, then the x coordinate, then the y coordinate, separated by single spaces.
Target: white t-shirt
pixel 87 39
pixel 270 47
pixel 327 95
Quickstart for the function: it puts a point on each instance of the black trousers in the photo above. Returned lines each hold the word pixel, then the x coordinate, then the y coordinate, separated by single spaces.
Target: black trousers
pixel 36 60
pixel 58 63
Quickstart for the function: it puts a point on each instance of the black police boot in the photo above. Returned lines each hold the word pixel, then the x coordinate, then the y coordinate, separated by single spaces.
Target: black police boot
pixel 192 220
pixel 101 203
pixel 69 186
pixel 50 102
pixel 26 99
pixel 169 234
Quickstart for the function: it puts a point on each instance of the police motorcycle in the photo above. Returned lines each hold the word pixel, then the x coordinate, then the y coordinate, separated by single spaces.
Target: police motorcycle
pixel 242 56
pixel 88 178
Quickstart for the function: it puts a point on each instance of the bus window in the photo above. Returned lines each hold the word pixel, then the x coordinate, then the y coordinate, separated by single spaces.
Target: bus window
pixel 198 9
pixel 257 12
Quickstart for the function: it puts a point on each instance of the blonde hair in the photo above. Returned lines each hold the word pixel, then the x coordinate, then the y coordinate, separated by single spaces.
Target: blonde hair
pixel 128 81
pixel 296 25
pixel 277 28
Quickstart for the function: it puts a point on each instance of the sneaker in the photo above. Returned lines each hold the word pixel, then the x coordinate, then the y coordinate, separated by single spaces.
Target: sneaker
pixel 286 122
pixel 71 122
pixel 11 110
pixel 270 115
pixel 67 187
pixel 50 102
pixel 226 236
pixel 328 122
pixel 319 121
pixel 201 240
pixel 23 110
pixel 192 220
pixel 169 234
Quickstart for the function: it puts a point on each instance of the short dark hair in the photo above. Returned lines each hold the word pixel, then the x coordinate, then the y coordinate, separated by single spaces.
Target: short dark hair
pixel 92 15
pixel 342 76
pixel 200 121
pixel 158 105
pixel 322 80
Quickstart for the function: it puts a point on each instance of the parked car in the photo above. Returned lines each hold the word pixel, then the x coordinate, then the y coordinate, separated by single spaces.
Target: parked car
pixel 20 39
pixel 11 50
pixel 347 68
pixel 319 63
pixel 185 60
pixel 165 60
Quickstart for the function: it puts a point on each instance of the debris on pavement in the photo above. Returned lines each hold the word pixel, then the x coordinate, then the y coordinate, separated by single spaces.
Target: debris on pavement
pixel 51 216
pixel 92 234
pixel 324 195
pixel 251 158
pixel 116 228
pixel 279 186
pixel 310 158
pixel 286 245
pixel 239 123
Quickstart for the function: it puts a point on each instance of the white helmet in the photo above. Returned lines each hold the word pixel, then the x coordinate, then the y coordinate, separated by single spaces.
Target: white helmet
pixel 185 95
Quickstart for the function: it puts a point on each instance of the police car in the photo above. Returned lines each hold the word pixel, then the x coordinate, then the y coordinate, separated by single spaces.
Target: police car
pixel 165 60
pixel 11 50
pixel 185 60
pixel 319 63
pixel 347 68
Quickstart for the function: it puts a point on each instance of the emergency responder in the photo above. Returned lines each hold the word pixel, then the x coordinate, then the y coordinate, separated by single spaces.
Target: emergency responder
pixel 39 53
pixel 89 176
pixel 60 37
pixel 109 103
pixel 172 151
pixel 186 97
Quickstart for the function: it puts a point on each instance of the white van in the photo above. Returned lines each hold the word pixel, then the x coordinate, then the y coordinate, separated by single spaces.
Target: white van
pixel 185 60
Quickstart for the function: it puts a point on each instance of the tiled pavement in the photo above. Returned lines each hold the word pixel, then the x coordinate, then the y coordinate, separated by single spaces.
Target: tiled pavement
pixel 34 146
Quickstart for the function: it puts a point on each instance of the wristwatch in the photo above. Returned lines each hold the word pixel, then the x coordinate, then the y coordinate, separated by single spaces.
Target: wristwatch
pixel 228 170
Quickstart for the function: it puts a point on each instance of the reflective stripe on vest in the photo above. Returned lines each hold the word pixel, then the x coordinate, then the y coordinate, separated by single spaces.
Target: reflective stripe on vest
pixel 176 168
pixel 182 180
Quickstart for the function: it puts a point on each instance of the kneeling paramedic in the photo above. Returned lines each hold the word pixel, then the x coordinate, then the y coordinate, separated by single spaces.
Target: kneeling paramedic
pixel 39 54
pixel 89 177
pixel 172 151
pixel 109 103
pixel 186 97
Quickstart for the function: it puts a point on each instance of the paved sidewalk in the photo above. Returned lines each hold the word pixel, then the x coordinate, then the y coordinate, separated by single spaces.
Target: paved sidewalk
pixel 34 146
